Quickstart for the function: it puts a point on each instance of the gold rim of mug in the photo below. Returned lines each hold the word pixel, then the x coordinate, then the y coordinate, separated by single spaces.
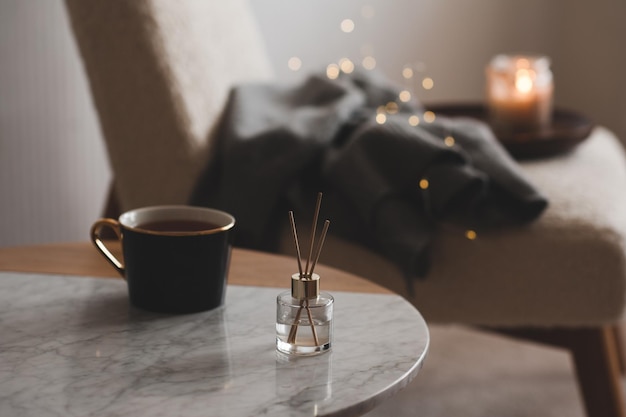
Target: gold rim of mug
pixel 224 228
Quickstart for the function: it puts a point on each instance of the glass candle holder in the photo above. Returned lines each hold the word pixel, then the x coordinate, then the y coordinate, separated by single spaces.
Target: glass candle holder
pixel 519 93
pixel 304 318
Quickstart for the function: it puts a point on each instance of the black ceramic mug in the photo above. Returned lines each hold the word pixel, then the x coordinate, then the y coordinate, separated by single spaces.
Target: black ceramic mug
pixel 175 258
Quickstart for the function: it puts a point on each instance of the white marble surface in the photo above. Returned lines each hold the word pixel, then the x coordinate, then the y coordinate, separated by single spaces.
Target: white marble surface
pixel 72 346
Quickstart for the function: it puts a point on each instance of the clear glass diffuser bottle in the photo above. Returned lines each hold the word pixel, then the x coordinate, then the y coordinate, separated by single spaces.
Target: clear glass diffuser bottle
pixel 304 317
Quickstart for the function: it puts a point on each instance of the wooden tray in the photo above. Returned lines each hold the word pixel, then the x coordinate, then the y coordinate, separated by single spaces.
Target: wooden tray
pixel 568 129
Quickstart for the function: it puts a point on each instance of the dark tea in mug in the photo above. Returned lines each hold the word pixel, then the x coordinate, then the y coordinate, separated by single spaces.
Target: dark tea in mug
pixel 175 226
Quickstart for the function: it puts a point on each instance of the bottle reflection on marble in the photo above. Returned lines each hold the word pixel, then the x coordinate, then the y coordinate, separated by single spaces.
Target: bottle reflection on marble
pixel 293 373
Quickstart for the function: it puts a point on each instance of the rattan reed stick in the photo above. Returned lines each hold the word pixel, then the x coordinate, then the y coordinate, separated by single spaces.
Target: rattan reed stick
pixel 313 230
pixel 319 246
pixel 294 233
pixel 308 312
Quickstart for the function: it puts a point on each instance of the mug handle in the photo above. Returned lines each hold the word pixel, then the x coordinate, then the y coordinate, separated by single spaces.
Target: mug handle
pixel 99 243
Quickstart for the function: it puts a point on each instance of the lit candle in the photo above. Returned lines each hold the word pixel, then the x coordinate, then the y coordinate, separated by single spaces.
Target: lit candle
pixel 519 92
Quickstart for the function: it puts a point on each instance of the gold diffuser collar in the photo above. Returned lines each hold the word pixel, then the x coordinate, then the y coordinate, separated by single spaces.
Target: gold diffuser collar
pixel 306 287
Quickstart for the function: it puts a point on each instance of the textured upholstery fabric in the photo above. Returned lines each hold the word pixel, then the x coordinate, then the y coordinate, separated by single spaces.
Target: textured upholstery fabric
pixel 160 72
pixel 567 268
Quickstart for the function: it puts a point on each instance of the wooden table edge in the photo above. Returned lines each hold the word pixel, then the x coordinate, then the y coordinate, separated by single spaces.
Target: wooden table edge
pixel 248 267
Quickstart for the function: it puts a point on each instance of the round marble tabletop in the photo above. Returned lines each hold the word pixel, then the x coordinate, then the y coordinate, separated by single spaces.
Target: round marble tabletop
pixel 72 346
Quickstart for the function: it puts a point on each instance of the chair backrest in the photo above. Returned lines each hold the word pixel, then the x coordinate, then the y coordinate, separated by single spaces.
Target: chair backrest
pixel 160 72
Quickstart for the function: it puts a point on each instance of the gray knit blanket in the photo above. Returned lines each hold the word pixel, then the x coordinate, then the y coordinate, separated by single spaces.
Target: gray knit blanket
pixel 388 185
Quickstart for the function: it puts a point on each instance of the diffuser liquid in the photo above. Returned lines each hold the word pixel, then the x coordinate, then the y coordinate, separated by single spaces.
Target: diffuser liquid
pixel 299 338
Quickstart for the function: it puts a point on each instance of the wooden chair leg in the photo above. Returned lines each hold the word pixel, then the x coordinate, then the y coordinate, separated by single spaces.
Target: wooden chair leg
pixel 595 353
pixel 620 338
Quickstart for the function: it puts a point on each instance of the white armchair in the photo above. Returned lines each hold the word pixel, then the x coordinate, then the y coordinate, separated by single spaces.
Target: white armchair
pixel 160 72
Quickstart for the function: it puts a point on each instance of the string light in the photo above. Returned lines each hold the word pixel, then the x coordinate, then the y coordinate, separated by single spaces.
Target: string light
pixel 332 71
pixel 471 234
pixel 367 12
pixel 347 25
pixel 346 65
pixel 414 120
pixel 405 96
pixel 449 141
pixel 369 63
pixel 428 83
pixel 424 184
pixel 294 63
pixel 391 107
pixel 429 116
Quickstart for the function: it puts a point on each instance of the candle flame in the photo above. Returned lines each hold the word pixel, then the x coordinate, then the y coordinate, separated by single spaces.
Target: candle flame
pixel 524 80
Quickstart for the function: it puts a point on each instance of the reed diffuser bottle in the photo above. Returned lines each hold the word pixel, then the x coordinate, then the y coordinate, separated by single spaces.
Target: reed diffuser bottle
pixel 304 315
pixel 304 318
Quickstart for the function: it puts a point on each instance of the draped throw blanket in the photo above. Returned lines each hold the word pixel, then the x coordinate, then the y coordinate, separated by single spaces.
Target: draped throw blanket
pixel 388 184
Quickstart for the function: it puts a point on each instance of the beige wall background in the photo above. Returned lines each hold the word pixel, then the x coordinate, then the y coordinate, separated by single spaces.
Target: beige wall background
pixel 53 168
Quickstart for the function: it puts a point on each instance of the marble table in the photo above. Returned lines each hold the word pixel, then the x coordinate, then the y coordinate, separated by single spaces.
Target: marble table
pixel 72 346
